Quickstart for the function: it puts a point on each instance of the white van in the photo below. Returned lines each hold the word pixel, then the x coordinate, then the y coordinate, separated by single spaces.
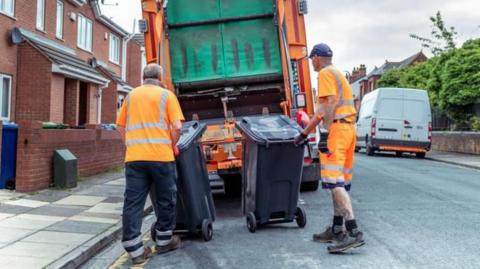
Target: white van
pixel 395 120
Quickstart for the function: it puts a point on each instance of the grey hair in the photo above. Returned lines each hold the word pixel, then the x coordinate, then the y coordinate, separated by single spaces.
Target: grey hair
pixel 152 71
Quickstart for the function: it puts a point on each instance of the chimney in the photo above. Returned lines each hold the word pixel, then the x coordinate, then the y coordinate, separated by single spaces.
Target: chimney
pixel 358 72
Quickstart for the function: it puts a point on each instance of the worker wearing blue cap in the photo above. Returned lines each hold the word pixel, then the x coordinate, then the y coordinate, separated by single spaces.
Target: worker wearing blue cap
pixel 337 112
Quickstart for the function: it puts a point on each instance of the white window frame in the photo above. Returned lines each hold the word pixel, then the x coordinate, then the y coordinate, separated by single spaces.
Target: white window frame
pixel 84 33
pixel 59 19
pixel 40 21
pixel 10 13
pixel 2 77
pixel 112 51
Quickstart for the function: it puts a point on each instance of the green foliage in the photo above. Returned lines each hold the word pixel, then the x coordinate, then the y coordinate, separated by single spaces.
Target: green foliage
pixel 476 123
pixel 452 80
pixel 442 37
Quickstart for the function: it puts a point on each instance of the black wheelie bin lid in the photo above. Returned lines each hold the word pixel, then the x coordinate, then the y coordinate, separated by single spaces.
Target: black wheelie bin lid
pixel 266 130
pixel 191 131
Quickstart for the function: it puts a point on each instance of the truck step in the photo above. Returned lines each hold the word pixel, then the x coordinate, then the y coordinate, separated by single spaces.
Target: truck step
pixel 217 184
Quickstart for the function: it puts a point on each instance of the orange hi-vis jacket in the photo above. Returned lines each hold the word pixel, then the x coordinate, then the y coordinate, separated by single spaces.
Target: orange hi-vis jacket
pixel 331 82
pixel 337 163
pixel 146 115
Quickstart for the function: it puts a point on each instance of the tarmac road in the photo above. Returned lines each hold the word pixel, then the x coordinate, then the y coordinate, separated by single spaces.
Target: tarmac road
pixel 414 214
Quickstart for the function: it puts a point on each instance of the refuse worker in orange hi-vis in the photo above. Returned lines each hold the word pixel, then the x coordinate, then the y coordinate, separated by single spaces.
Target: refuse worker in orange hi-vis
pixel 150 121
pixel 336 109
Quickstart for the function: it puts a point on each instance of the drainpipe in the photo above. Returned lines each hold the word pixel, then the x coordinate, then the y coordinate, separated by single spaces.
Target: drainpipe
pixel 124 51
pixel 99 102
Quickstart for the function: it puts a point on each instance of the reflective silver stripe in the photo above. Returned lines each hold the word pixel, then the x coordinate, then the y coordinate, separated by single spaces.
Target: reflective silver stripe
pixel 159 233
pixel 147 141
pixel 132 242
pixel 162 243
pixel 342 116
pixel 348 171
pixel 137 253
pixel 333 180
pixel 332 167
pixel 163 106
pixel 161 124
pixel 127 103
pixel 339 82
pixel 346 103
pixel 147 125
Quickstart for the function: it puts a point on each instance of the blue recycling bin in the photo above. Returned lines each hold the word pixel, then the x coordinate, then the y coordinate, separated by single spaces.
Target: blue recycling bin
pixel 9 154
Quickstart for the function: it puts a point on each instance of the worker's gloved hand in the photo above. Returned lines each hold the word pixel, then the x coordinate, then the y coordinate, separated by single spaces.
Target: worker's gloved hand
pixel 300 139
pixel 176 151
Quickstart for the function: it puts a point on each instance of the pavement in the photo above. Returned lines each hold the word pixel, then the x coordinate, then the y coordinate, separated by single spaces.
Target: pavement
pixel 465 160
pixel 414 213
pixel 60 228
pixel 67 228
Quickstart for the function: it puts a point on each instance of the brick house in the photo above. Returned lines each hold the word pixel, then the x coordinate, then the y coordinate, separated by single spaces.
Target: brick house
pixel 364 83
pixel 63 62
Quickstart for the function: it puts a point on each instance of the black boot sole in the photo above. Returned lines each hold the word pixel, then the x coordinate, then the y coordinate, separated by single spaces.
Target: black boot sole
pixel 346 248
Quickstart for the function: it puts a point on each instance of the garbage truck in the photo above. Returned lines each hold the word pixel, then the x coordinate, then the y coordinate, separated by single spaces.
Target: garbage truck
pixel 226 59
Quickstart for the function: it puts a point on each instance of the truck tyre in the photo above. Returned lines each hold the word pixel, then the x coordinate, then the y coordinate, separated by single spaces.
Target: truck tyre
pixel 420 155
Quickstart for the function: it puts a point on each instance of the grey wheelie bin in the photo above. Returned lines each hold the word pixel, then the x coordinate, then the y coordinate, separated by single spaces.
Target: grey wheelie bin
pixel 272 171
pixel 195 207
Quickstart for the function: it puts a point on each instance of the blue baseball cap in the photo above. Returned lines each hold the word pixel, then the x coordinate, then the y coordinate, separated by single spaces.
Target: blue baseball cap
pixel 322 50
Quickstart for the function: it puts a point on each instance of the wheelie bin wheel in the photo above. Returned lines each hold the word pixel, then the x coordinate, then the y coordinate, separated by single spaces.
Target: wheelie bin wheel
pixel 207 230
pixel 153 233
pixel 251 222
pixel 301 217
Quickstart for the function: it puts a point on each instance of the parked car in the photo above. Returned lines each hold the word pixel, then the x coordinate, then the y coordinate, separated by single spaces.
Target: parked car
pixel 396 120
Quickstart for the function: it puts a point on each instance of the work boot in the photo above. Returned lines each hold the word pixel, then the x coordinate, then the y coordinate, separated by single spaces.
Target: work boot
pixel 328 236
pixel 174 244
pixel 147 254
pixel 348 242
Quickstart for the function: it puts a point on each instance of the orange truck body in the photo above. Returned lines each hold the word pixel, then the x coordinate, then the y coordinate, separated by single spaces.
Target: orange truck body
pixel 222 141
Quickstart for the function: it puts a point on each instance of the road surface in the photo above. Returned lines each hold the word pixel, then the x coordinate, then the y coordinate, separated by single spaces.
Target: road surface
pixel 414 214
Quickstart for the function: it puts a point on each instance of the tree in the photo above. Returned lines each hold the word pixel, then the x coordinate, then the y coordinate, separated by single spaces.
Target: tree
pixel 442 38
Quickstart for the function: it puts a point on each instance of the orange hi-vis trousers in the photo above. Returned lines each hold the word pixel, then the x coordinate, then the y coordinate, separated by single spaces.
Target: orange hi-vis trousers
pixel 337 163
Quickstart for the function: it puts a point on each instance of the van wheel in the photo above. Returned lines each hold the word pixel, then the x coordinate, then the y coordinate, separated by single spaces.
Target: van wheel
pixel 370 150
pixel 420 155
pixel 357 149
pixel 399 153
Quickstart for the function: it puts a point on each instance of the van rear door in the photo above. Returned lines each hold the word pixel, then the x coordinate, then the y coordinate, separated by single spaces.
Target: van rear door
pixel 415 115
pixel 389 115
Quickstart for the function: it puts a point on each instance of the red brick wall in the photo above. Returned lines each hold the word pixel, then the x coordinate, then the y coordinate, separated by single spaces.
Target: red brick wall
pixel 134 64
pixel 72 96
pixel 96 151
pixel 109 103
pixel 57 98
pixel 33 91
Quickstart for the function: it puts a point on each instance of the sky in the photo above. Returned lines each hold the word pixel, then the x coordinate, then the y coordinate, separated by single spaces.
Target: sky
pixel 360 31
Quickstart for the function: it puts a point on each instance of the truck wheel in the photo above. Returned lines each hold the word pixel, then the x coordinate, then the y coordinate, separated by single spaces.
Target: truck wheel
pixel 310 186
pixel 251 222
pixel 420 155
pixel 399 154
pixel 207 230
pixel 301 217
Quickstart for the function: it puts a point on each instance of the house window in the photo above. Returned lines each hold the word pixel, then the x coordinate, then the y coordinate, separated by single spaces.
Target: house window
pixel 84 31
pixel 114 49
pixel 5 96
pixel 7 7
pixel 59 31
pixel 41 15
